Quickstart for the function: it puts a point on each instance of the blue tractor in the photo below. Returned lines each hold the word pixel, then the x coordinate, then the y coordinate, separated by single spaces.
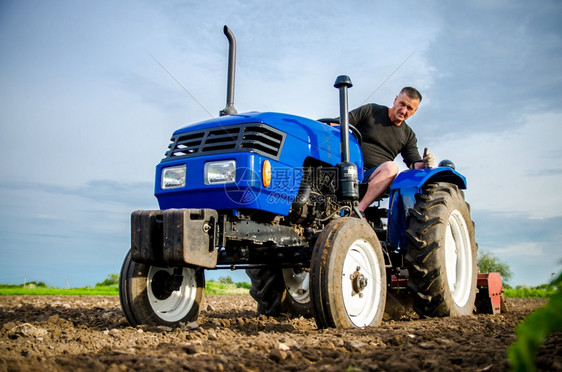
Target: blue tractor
pixel 275 195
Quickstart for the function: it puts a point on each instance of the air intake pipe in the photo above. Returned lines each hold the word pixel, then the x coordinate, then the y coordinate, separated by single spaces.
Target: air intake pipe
pixel 349 184
pixel 229 109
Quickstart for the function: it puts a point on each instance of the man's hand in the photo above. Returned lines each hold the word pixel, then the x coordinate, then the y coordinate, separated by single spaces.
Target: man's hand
pixel 428 159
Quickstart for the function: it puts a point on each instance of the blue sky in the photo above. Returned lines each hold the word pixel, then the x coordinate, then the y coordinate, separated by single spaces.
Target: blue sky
pixel 86 112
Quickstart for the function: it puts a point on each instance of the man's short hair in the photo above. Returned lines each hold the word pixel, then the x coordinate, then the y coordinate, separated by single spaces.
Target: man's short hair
pixel 413 93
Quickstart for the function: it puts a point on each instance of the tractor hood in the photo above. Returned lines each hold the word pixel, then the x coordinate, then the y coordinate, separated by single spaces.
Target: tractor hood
pixel 268 137
pixel 248 141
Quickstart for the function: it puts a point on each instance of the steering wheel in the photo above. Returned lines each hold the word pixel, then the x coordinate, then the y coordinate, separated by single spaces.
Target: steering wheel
pixel 355 131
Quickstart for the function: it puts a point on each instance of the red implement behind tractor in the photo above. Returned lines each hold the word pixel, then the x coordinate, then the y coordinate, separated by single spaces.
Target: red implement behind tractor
pixel 490 298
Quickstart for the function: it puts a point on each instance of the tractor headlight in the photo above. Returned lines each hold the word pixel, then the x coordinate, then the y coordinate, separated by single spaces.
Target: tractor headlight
pixel 220 172
pixel 173 177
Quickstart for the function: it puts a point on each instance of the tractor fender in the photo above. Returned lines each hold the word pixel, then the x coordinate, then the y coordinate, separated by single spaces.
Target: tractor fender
pixel 419 177
pixel 403 193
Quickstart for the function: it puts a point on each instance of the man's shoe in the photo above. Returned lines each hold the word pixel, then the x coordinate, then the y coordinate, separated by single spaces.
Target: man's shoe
pixel 360 215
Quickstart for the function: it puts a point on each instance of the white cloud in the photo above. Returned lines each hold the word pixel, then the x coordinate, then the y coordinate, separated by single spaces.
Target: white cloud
pixel 526 250
pixel 532 263
pixel 512 170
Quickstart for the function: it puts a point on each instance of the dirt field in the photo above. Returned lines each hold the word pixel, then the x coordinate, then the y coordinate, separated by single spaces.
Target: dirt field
pixel 89 333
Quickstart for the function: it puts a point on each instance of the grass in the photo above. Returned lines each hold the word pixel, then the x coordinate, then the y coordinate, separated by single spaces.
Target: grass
pixel 224 286
pixel 542 291
pixel 211 287
pixel 13 290
pixel 221 288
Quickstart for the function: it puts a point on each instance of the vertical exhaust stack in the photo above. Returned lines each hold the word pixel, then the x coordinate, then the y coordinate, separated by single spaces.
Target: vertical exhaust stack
pixel 349 184
pixel 229 109
pixel 343 82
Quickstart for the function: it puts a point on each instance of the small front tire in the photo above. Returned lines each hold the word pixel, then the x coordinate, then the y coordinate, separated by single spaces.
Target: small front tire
pixel 147 298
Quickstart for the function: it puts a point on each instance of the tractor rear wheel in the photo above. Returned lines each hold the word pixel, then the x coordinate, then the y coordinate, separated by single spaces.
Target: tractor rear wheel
pixel 348 276
pixel 281 291
pixel 152 295
pixel 441 256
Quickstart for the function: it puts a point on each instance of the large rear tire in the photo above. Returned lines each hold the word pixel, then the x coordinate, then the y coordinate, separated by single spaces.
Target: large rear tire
pixel 348 276
pixel 147 298
pixel 441 257
pixel 281 291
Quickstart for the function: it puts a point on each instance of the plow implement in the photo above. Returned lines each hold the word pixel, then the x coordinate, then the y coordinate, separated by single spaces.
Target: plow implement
pixel 490 298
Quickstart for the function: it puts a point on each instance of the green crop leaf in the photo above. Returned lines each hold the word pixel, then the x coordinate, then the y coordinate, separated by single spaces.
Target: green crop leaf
pixel 532 332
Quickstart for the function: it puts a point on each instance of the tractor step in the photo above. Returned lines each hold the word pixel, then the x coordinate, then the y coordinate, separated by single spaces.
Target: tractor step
pixel 490 298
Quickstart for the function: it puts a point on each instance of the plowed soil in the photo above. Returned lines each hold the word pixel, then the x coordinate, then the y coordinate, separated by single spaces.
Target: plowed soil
pixel 90 333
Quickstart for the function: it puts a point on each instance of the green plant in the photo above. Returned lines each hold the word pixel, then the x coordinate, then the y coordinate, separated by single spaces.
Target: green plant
pixel 532 332
pixel 491 264
pixel 226 280
pixel 243 285
pixel 36 284
pixel 111 280
pixel 542 291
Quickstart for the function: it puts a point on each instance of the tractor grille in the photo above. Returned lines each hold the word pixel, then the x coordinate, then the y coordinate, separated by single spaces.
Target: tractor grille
pixel 255 137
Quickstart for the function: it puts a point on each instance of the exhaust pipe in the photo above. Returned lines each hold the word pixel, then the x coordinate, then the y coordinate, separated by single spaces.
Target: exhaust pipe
pixel 349 184
pixel 229 109
pixel 343 82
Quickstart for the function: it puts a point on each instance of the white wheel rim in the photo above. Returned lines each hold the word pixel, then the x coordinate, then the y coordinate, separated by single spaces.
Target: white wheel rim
pixel 297 284
pixel 458 258
pixel 176 306
pixel 361 310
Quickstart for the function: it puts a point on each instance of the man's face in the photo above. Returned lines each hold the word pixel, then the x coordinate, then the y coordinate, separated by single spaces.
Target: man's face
pixel 403 108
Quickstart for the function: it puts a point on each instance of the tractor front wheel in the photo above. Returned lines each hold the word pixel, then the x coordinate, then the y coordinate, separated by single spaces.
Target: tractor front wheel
pixel 441 257
pixel 154 295
pixel 348 276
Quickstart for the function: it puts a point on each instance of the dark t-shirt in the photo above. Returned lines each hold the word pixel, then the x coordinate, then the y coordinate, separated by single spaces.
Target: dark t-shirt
pixel 382 140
